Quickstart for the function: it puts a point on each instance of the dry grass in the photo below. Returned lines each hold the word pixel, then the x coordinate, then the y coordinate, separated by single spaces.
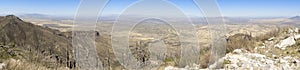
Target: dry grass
pixel 13 64
pixel 241 41
pixel 289 51
pixel 244 41
pixel 274 33
pixel 204 59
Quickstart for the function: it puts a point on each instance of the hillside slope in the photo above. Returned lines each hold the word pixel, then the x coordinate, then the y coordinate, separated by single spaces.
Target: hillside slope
pixel 33 43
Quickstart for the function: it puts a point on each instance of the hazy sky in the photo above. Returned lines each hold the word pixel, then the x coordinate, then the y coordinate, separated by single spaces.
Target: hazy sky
pixel 252 8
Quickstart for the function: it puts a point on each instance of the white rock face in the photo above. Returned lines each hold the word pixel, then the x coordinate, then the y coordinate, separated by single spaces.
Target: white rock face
pixel 290 31
pixel 297 36
pixel 286 42
pixel 270 39
pixel 2 65
pixel 170 68
pixel 255 61
pixel 296 30
pixel 238 51
pixel 174 68
pixel 193 67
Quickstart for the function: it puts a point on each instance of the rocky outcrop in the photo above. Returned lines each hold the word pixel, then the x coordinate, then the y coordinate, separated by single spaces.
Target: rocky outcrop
pixel 193 67
pixel 274 53
pixel 241 59
pixel 291 40
pixel 286 42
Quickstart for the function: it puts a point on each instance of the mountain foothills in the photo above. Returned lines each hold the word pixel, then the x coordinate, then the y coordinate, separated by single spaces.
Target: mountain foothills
pixel 25 42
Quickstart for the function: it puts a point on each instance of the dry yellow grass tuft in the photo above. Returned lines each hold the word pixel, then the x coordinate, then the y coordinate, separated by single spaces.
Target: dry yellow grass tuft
pixel 13 64
pixel 248 42
pixel 242 41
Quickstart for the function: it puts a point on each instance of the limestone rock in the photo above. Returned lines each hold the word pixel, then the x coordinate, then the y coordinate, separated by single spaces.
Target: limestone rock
pixel 286 42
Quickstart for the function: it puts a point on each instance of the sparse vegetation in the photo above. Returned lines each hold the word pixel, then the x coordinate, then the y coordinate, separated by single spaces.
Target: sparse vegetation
pixel 240 41
pixel 13 64
pixel 168 60
pixel 226 62
pixel 248 42
pixel 204 59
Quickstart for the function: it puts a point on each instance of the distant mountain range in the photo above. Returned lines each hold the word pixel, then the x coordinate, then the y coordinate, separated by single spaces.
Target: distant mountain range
pixel 295 18
pixel 44 16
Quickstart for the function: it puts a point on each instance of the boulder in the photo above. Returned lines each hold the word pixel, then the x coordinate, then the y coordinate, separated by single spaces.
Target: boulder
pixel 297 36
pixel 296 30
pixel 285 43
pixel 237 51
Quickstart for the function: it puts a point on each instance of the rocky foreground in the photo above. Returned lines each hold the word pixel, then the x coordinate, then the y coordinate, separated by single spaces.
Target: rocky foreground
pixel 276 53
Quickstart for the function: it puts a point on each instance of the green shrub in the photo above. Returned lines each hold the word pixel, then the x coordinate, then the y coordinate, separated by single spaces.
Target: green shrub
pixel 168 60
pixel 226 62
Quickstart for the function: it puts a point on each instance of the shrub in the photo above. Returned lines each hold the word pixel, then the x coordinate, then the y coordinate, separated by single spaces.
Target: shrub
pixel 168 59
pixel 226 62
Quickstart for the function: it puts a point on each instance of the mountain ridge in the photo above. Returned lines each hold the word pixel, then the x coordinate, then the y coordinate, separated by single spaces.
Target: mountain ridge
pixel 46 45
pixel 295 17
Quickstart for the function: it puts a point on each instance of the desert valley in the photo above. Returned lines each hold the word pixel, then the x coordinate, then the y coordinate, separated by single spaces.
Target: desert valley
pixel 251 43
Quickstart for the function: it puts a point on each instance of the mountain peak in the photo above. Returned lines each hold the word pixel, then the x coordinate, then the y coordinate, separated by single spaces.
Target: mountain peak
pixel 295 17
pixel 12 17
